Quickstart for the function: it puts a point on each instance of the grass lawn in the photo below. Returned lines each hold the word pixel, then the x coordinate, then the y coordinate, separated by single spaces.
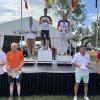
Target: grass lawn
pixel 53 98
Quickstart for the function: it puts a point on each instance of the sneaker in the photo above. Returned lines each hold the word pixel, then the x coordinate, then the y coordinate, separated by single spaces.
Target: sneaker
pixel 75 98
pixel 49 48
pixel 62 53
pixel 41 48
pixel 86 98
pixel 28 57
pixel 65 53
pixel 59 54
pixel 32 57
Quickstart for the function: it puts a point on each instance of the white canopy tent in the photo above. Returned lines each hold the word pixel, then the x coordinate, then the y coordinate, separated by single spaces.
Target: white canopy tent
pixel 9 27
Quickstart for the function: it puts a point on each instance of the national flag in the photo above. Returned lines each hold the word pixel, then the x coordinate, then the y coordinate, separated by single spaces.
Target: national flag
pixel 26 5
pixel 78 10
pixel 76 7
pixel 73 5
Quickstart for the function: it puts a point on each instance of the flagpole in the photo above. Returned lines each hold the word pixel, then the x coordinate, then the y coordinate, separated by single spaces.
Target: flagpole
pixel 21 26
pixel 97 28
pixel 70 39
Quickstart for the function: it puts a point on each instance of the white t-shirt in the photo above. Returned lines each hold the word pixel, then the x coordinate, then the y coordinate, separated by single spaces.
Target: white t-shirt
pixel 63 25
pixel 31 35
pixel 2 61
pixel 45 25
pixel 83 61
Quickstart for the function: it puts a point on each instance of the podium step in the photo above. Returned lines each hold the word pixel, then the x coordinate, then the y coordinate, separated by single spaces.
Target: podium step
pixel 64 60
pixel 29 62
pixel 44 63
pixel 44 58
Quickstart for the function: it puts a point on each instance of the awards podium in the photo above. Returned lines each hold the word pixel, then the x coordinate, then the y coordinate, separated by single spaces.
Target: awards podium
pixel 44 57
pixel 29 62
pixel 64 60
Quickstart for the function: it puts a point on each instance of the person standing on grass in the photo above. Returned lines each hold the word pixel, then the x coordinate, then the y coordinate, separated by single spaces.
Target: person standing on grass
pixel 97 62
pixel 15 61
pixel 81 61
pixel 2 63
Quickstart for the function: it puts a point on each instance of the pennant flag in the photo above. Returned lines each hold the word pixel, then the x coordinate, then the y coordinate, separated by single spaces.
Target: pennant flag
pixel 76 7
pixel 78 10
pixel 48 3
pixel 96 3
pixel 26 6
pixel 73 5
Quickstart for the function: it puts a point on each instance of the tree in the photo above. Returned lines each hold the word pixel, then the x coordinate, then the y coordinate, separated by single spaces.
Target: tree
pixel 82 35
pixel 77 16
pixel 94 32
pixel 60 6
pixel 64 6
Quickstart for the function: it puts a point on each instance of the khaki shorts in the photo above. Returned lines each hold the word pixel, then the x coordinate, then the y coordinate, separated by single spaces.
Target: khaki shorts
pixel 30 42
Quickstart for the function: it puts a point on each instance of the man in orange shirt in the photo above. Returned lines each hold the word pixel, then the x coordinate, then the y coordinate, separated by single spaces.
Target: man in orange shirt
pixel 15 61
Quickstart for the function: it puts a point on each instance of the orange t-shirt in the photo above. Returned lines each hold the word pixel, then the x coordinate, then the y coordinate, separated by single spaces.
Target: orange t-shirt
pixel 14 59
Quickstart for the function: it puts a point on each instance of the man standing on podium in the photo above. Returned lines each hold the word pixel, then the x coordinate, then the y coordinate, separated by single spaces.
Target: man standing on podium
pixel 64 29
pixel 44 22
pixel 30 37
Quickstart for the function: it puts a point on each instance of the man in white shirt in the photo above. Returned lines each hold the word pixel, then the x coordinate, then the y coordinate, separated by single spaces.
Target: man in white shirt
pixel 2 63
pixel 81 61
pixel 44 22
pixel 63 27
pixel 30 37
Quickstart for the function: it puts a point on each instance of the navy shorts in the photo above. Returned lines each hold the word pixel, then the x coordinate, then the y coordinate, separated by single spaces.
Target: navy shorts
pixel 45 34
pixel 12 80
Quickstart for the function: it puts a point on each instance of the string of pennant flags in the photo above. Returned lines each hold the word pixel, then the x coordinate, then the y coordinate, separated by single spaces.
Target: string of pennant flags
pixel 73 3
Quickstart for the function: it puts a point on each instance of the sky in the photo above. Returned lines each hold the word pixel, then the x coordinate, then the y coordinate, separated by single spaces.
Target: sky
pixel 91 10
pixel 10 10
